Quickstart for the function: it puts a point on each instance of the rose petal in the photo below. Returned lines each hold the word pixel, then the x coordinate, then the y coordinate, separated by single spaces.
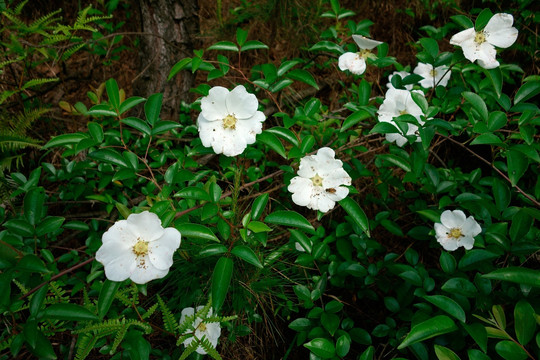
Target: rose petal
pixel 399 139
pixel 467 242
pixel 323 203
pixel 121 268
pixel 365 43
pixel 146 224
pixel 448 244
pixel 309 167
pixel 499 30
pixel 453 219
pixel 470 227
pixel 441 231
pixel 213 106
pixel 240 103
pixel 121 232
pixel 345 60
pixel 463 36
pixel 302 190
pixel 161 251
pixel 144 273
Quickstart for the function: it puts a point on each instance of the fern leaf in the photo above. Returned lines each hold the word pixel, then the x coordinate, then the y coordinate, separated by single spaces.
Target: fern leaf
pixel 150 311
pixel 37 82
pixel 19 7
pixel 209 348
pixel 44 21
pixel 194 345
pixel 168 318
pixel 85 344
pixel 21 287
pixel 14 19
pixel 68 53
pixel 16 142
pixel 118 339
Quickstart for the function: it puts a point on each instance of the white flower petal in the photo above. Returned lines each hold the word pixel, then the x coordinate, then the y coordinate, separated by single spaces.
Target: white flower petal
pixel 365 43
pixel 120 233
pixel 453 219
pixel 323 203
pixel 112 251
pixel 344 60
pixel 463 36
pixel 121 268
pixel 301 189
pixel 470 227
pixel 489 63
pixel 441 231
pixel 161 251
pixel 399 139
pixel 146 224
pixel 213 106
pixel 352 62
pixel 499 30
pixel 335 178
pixel 308 167
pixel 448 244
pixel 189 311
pixel 144 273
pixel 241 103
pixel 467 242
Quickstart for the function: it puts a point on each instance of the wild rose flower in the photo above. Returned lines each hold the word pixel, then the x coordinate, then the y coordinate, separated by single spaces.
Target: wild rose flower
pixel 456 230
pixel 319 180
pixel 432 76
pixel 211 331
pixel 399 102
pixel 356 62
pixel 480 45
pixel 229 120
pixel 403 75
pixel 138 248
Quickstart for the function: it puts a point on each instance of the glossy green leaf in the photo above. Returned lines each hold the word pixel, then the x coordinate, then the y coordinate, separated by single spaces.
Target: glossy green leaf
pixel 20 227
pixel 431 46
pixel 368 354
pixel 482 19
pixel 321 347
pixel 272 142
pixel 448 262
pixel 307 143
pixel 65 139
pixel 130 103
pixel 303 76
pixel 521 224
pixel 32 263
pixel 196 232
pixel 527 91
pixel 192 192
pixel 245 253
pixel 477 103
pixel 396 160
pixel 327 46
pixel 289 218
pixel 448 305
pixel 213 249
pixel 444 353
pixel 517 165
pixel 518 275
pixel 302 239
pixel 49 225
pixel 300 324
pixel 138 124
pixel 70 312
pixel 509 350
pixel 524 322
pixel 432 327
pixel 221 279
pixel 96 131
pixel 253 45
pixel 111 156
pixel 257 227
pixel 285 134
pixel 358 215
pixel 152 108
pixel 106 296
pixel 113 93
pixel 179 66
pixel 33 205
pixel 472 258
pixel 224 46
pixel 101 110
pixel 478 333
pixel 330 322
pixel 259 204
pixel 343 345
pixel 460 286
pixel 43 348
pixel 487 139
pixel 37 300
pixel 354 119
pixel 495 75
pixel 477 355
pixel 163 126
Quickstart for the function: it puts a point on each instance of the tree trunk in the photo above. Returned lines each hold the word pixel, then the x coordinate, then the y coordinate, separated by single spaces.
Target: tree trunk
pixel 170 27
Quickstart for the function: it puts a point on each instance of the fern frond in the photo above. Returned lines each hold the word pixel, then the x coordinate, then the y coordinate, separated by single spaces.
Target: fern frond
pixel 18 8
pixel 113 325
pixel 21 287
pixel 14 19
pixel 150 311
pixel 118 339
pixel 209 348
pixel 168 318
pixel 24 120
pixel 190 349
pixel 57 291
pixel 187 324
pixel 68 53
pixel 7 162
pixel 17 142
pixel 5 344
pixel 7 62
pixel 44 21
pixel 37 82
pixel 85 344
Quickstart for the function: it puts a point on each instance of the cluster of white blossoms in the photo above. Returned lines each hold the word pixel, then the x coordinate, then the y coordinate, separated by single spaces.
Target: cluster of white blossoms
pixel 229 120
pixel 400 102
pixel 432 77
pixel 319 182
pixel 356 62
pixel 455 230
pixel 138 248
pixel 209 330
pixel 480 45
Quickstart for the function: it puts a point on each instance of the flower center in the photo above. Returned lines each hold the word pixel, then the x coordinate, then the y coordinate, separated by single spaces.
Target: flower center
pixel 480 38
pixel 140 248
pixel 455 233
pixel 229 122
pixel 365 53
pixel 433 73
pixel 403 112
pixel 317 180
pixel 201 327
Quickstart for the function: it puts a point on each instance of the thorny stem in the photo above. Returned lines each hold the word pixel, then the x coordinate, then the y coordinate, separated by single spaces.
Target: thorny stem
pixel 536 203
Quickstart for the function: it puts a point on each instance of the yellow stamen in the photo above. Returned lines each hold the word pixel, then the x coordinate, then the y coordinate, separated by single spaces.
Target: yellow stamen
pixel 229 122
pixel 480 38
pixel 201 327
pixel 317 180
pixel 433 73
pixel 140 248
pixel 365 53
pixel 455 233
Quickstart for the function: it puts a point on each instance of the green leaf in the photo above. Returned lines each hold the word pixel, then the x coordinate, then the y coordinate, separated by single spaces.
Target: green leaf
pixel 483 19
pixel 501 194
pixel 259 204
pixel 253 45
pixel 321 347
pixel 196 231
pixel 473 257
pixel 524 322
pixel 272 142
pixel 307 143
pixel 106 296
pixel 420 100
pixel 37 300
pixel 241 36
pixel 447 261
pixel 32 263
pixel 475 354
pixel 289 218
pixel 257 227
pixel 96 131
pixel 495 75
pixel 193 192
pixel 460 286
pixel 478 333
pixel 224 45
pixel 65 139
pixel 70 312
pixel 487 139
pixel 245 253
pixel 431 46
pixel 477 103
pixel 20 227
pixel 354 119
pixel 518 275
pixel 113 93
pixel 302 239
pixel 303 76
pixel 330 322
pixel 110 156
pixel 43 348
pixel 49 225
pixel 444 353
pixel 284 134
pixel 517 165
pixel 435 326
pixel 33 205
pixel 280 85
pixel 521 224
pixel 327 46
pixel 300 324
pixel 367 354
pixel 448 305
pixel 179 66
pixel 463 21
pixel 213 249
pixel 527 91
pixel 396 160
pixel 384 128
pixel 130 103
pixel 163 126
pixel 356 213
pixel 152 108
pixel 138 124
pixel 220 281
pixel 509 350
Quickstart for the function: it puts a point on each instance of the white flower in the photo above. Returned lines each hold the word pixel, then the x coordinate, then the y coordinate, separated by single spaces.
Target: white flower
pixel 356 62
pixel 319 180
pixel 138 248
pixel 211 331
pixel 229 120
pixel 479 45
pixel 399 102
pixel 455 230
pixel 403 75
pixel 432 77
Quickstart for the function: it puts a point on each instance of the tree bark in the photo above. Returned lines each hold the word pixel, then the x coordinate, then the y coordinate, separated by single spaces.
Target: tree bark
pixel 170 27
